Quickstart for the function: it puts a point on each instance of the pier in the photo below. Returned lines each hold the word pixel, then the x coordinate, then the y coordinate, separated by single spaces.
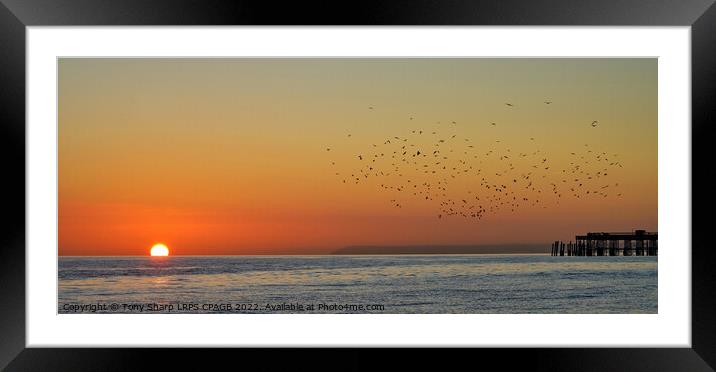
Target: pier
pixel 635 243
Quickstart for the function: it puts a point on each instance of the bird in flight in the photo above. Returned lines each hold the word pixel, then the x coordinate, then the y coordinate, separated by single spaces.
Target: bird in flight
pixel 438 168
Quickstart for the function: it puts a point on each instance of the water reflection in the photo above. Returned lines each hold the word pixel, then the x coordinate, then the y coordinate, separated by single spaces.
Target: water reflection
pixel 418 284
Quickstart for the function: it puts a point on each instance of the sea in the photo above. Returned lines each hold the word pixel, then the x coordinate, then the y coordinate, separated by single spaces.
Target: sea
pixel 339 284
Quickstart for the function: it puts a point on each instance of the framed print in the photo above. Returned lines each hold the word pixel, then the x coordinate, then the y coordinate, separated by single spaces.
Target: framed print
pixel 470 176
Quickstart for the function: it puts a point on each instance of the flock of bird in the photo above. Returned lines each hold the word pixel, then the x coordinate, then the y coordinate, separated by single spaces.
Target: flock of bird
pixel 460 178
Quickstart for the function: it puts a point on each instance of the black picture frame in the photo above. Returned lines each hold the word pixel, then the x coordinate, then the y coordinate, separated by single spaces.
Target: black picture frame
pixel 16 15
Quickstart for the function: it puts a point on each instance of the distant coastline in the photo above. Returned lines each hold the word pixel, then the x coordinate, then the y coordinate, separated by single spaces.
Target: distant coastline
pixel 443 249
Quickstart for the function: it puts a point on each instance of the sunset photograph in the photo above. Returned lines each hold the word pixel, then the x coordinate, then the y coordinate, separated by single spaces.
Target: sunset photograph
pixel 357 185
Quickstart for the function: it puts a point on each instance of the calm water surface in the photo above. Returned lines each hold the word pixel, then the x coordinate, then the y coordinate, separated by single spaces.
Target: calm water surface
pixel 400 284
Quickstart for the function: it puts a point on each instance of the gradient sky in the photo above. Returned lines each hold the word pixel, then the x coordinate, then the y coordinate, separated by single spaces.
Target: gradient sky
pixel 228 156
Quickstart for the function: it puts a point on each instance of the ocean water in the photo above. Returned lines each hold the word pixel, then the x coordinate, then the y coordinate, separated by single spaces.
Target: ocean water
pixel 427 284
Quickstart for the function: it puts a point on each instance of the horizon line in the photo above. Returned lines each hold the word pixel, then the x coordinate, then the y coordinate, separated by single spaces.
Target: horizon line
pixel 319 254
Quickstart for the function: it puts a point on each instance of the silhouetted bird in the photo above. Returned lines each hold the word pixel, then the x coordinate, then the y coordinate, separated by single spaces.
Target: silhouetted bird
pixel 439 170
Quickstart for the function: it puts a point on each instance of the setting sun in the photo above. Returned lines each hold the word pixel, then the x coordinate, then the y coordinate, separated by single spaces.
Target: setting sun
pixel 159 250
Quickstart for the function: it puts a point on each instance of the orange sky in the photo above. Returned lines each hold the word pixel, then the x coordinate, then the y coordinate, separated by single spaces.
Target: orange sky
pixel 229 156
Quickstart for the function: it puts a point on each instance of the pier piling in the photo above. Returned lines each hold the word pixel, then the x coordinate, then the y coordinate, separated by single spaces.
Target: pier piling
pixel 635 243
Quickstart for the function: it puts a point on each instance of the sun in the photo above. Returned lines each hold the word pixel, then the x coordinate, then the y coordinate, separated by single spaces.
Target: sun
pixel 159 250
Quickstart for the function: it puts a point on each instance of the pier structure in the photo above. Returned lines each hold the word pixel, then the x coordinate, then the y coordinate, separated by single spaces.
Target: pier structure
pixel 635 243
